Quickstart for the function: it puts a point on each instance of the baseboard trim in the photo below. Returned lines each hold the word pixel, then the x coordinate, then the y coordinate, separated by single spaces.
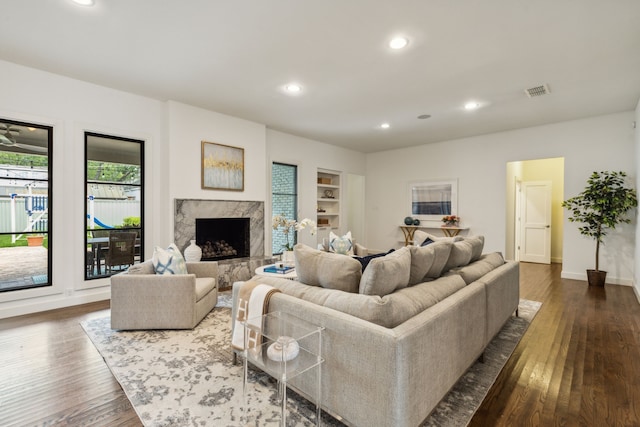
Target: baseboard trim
pixel 23 307
pixel 583 276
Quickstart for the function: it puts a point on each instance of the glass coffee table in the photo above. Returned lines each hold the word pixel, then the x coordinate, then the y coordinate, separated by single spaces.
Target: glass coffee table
pixel 284 346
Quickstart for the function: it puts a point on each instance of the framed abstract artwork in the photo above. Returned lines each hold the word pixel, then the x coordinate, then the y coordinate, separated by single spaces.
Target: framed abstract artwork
pixel 431 200
pixel 222 167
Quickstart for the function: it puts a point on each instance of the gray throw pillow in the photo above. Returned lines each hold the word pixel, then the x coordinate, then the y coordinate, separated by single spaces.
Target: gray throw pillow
pixel 386 274
pixel 422 258
pixel 460 255
pixel 327 269
pixel 442 250
pixel 477 245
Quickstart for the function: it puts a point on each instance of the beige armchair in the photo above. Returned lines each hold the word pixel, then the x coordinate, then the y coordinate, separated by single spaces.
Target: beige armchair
pixel 141 299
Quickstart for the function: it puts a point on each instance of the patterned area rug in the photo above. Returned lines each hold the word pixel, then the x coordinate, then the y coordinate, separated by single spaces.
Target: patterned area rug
pixel 187 378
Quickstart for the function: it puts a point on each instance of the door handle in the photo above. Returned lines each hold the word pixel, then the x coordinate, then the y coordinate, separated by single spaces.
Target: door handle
pixel 548 226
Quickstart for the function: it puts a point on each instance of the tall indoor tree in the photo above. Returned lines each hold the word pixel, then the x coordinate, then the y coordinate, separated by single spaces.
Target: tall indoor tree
pixel 601 206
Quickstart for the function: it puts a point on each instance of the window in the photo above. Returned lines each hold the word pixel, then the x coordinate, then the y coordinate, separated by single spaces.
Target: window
pixel 284 201
pixel 25 205
pixel 114 226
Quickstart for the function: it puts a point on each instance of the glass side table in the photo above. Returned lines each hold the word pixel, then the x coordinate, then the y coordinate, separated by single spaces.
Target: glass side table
pixel 284 346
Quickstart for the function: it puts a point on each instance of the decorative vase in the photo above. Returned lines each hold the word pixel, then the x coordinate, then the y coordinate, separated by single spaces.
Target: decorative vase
pixel 416 221
pixel 283 349
pixel 288 258
pixel 408 221
pixel 193 253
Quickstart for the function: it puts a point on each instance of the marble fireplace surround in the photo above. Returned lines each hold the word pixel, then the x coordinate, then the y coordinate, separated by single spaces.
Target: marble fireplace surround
pixel 187 210
pixel 229 270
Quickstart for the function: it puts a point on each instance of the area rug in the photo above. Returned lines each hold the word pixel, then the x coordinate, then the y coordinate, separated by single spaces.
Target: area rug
pixel 187 378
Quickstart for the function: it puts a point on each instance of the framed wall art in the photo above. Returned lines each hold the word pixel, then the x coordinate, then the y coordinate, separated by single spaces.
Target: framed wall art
pixel 431 200
pixel 222 167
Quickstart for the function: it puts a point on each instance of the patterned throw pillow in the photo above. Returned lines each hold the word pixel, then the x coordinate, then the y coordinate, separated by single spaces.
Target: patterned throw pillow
pixel 341 245
pixel 169 261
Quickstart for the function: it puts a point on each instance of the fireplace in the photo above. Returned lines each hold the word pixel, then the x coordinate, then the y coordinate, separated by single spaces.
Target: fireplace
pixel 223 238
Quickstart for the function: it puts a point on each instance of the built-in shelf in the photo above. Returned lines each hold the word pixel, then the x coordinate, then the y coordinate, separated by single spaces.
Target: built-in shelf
pixel 328 199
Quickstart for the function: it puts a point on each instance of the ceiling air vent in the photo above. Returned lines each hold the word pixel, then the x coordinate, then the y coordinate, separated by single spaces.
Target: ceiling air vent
pixel 537 91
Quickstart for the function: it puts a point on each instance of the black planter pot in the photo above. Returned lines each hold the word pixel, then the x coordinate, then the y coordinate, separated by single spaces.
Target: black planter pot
pixel 596 277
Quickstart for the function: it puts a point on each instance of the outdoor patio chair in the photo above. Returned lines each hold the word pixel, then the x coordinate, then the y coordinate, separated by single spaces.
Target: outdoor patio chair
pixel 121 250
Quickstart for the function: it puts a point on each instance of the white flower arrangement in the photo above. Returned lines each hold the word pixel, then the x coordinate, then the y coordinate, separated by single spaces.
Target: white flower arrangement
pixel 289 225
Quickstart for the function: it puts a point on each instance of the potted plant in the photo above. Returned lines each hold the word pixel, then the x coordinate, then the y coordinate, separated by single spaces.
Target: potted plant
pixel 601 206
pixel 288 227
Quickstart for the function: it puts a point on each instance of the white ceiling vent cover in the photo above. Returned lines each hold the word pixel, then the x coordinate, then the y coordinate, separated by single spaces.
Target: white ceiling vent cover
pixel 537 91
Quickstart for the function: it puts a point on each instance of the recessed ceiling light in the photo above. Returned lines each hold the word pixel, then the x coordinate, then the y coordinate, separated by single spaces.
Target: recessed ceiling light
pixel 84 2
pixel 293 88
pixel 398 42
pixel 471 105
pixel 385 126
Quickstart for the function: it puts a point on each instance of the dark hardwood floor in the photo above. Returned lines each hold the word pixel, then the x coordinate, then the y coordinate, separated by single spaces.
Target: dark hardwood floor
pixel 577 365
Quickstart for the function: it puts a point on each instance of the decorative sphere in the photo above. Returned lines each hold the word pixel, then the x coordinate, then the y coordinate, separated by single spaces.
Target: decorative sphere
pixel 416 221
pixel 408 221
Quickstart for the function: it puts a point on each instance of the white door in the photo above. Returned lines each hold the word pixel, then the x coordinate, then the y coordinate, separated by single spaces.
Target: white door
pixel 535 222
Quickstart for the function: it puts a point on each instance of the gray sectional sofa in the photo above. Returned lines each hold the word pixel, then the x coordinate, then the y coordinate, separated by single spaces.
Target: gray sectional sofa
pixel 400 334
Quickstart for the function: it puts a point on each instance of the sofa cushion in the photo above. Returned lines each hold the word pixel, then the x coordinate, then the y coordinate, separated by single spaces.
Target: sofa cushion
pixel 168 261
pixel 365 260
pixel 142 268
pixel 359 250
pixel 204 285
pixel 422 258
pixel 477 244
pixel 388 311
pixel 326 269
pixel 475 270
pixel 461 253
pixel 341 244
pixel 420 237
pixel 385 274
pixel 442 250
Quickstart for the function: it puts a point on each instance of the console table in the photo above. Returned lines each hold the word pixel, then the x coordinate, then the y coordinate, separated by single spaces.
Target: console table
pixel 452 231
pixel 410 230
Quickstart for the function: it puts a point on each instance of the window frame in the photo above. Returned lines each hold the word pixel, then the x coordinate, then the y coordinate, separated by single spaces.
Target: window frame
pixel 49 231
pixel 87 182
pixel 295 203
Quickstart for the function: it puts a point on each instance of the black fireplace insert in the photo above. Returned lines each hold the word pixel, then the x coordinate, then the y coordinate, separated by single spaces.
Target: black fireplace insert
pixel 223 238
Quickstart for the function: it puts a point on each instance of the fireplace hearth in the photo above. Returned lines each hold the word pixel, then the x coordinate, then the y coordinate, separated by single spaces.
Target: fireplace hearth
pixel 223 238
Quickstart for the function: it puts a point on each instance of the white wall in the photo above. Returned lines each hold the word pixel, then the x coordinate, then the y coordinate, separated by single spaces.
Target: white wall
pixel 479 164
pixel 309 156
pixel 188 127
pixel 172 133
pixel 71 107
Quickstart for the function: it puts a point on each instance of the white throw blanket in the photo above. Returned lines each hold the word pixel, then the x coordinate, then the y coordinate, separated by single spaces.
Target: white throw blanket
pixel 253 301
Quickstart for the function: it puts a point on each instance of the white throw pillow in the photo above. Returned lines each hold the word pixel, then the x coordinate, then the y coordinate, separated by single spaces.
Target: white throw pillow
pixel 341 245
pixel 168 261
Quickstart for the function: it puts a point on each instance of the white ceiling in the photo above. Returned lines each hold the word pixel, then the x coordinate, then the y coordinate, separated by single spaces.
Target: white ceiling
pixel 233 57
